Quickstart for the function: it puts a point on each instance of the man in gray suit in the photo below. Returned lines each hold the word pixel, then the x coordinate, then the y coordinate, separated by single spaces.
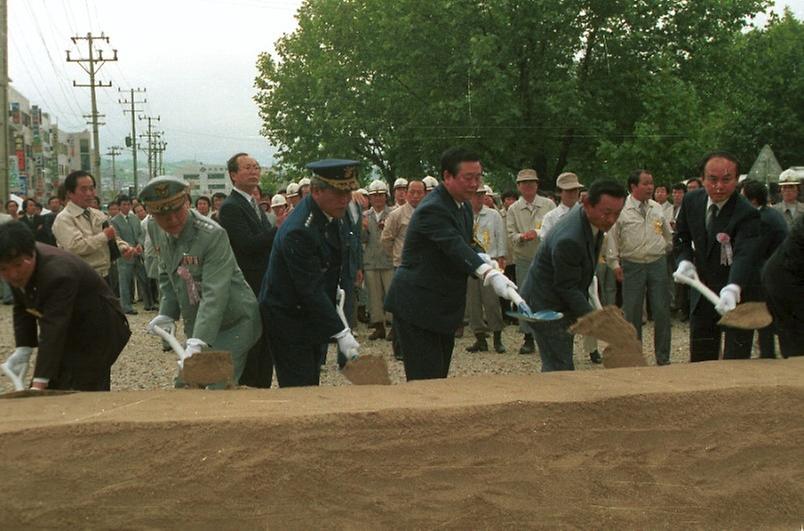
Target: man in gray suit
pixel 129 229
pixel 563 268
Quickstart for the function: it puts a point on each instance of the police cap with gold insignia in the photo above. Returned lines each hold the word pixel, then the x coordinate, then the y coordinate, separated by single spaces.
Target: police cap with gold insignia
pixel 338 173
pixel 163 194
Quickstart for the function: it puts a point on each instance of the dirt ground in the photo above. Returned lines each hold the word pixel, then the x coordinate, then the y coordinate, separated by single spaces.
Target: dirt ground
pixel 710 445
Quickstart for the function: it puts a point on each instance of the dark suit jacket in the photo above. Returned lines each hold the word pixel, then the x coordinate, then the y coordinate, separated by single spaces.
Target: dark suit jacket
pixel 563 267
pixel 783 282
pixel 251 237
pixel 429 287
pixel 81 325
pixel 298 291
pixel 740 220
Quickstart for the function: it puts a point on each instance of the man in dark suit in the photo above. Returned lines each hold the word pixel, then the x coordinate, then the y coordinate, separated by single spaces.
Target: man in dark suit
pixel 428 293
pixel 81 327
pixel 783 283
pixel 306 267
pixel 563 267
pixel 716 240
pixel 251 236
pixel 773 232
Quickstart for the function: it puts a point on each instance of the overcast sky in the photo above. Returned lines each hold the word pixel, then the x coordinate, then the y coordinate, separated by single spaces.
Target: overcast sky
pixel 195 58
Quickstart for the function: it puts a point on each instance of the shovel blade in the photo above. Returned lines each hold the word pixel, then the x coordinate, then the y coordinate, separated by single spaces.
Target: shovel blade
pixel 26 393
pixel 536 317
pixel 208 368
pixel 367 370
pixel 748 316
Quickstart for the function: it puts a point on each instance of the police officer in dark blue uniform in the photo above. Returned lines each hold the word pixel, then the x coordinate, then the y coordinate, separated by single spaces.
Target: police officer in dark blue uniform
pixel 304 272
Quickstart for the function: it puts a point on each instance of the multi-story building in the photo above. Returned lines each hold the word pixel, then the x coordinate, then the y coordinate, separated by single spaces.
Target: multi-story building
pixel 205 179
pixel 44 153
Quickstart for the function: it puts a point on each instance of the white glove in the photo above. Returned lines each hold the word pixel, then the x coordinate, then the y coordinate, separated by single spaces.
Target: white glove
pixel 16 366
pixel 501 284
pixel 162 321
pixel 347 344
pixel 729 297
pixel 194 346
pixel 687 269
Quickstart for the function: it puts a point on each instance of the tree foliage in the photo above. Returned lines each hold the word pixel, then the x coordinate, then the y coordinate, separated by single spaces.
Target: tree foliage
pixel 594 86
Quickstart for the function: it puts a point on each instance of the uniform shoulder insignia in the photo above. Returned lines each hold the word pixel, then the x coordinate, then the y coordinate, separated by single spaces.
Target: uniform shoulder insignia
pixel 309 220
pixel 203 224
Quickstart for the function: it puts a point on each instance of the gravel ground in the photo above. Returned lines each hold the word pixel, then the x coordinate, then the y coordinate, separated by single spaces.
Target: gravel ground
pixel 143 364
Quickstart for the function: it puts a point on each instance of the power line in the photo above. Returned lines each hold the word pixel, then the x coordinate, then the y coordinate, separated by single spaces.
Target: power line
pixel 44 102
pixel 59 75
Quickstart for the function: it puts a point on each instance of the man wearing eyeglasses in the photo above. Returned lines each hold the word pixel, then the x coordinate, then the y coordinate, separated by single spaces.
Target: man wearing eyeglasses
pixel 717 237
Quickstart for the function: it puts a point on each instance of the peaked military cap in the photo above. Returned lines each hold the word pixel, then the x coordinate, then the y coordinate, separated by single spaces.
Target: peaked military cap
pixel 338 173
pixel 163 194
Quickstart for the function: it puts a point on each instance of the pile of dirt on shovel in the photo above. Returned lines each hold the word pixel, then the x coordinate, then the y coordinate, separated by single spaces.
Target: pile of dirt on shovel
pixel 712 445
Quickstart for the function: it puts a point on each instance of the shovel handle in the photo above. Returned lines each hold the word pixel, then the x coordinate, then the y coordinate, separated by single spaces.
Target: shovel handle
pixel 698 285
pixel 171 340
pixel 593 294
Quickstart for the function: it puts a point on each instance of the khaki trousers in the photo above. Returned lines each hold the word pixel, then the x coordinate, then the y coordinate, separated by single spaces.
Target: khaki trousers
pixel 377 283
pixel 485 314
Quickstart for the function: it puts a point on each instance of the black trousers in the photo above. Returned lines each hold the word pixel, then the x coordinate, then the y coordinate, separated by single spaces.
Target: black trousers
pixel 98 379
pixel 259 369
pixel 297 363
pixel 705 336
pixel 427 354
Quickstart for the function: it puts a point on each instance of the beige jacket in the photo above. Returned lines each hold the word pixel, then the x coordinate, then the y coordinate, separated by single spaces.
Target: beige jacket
pixel 521 218
pixel 85 238
pixel 638 238
pixel 393 235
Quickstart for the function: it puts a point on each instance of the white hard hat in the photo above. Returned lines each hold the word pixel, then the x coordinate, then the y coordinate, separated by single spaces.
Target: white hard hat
pixel 488 190
pixel 430 182
pixel 791 176
pixel 377 187
pixel 278 200
pixel 400 183
pixel 305 181
pixel 362 191
pixel 292 190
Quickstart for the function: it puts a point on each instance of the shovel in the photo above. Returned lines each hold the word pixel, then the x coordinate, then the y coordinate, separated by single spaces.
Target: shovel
pixel 203 368
pixel 362 370
pixel 524 313
pixel 748 316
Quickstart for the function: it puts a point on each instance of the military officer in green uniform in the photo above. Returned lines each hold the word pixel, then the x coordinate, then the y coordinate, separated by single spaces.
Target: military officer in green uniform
pixel 198 276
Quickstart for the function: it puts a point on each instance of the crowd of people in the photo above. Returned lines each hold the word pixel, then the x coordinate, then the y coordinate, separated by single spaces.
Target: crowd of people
pixel 273 280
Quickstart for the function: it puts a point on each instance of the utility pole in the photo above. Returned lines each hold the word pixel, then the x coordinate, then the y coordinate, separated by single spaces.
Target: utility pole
pixel 133 110
pixel 160 149
pixel 113 152
pixel 4 168
pixel 91 66
pixel 150 136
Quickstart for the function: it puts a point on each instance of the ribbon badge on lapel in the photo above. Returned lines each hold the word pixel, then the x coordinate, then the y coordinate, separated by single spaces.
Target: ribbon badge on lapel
pixel 726 252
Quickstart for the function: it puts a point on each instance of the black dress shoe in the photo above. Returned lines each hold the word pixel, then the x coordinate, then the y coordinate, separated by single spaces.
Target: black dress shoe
pixel 595 357
pixel 131 312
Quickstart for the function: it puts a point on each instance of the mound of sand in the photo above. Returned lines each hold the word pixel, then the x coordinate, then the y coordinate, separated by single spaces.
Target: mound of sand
pixel 715 445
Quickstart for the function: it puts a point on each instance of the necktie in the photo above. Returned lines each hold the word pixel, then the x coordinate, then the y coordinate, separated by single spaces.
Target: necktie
pixel 255 206
pixel 711 215
pixel 87 214
pixel 643 209
pixel 788 214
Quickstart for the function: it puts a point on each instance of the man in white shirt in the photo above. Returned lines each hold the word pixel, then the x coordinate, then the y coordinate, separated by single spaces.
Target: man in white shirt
pixel 570 191
pixel 485 313
pixel 660 194
pixel 637 252
pixel 524 222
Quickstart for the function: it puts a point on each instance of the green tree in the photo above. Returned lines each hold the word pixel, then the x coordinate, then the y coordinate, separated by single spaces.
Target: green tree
pixel 595 86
